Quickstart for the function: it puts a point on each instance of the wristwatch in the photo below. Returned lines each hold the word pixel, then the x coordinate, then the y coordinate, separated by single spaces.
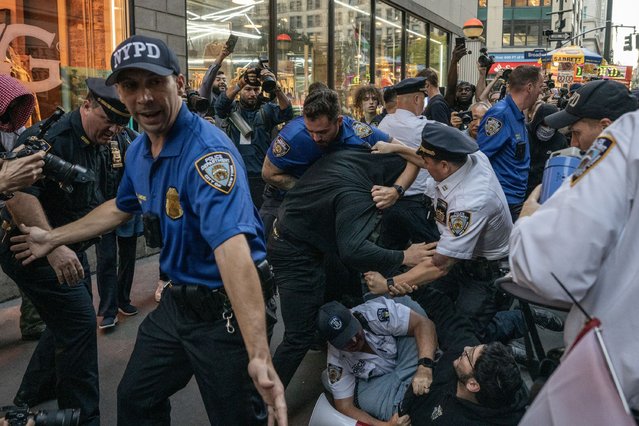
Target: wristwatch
pixel 390 282
pixel 399 189
pixel 426 362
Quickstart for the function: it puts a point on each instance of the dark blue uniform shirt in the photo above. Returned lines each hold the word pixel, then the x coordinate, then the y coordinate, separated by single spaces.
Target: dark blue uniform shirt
pixel 198 188
pixel 503 137
pixel 294 151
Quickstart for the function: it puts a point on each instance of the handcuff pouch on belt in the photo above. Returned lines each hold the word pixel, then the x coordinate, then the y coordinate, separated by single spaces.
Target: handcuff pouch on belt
pixel 152 230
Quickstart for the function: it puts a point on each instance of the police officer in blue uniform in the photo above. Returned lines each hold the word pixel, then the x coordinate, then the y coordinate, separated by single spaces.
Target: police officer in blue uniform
pixel 503 135
pixel 65 364
pixel 295 149
pixel 189 180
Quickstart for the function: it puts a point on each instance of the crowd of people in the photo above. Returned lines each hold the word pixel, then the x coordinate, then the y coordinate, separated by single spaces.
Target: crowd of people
pixel 382 232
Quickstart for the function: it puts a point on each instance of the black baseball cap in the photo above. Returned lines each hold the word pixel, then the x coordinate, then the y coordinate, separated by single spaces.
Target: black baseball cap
pixel 108 99
pixel 337 324
pixel 145 53
pixel 596 99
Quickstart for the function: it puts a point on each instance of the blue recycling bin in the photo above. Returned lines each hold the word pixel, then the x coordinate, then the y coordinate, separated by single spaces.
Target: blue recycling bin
pixel 559 166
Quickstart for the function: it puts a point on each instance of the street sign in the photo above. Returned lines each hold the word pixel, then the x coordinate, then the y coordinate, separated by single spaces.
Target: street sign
pixel 534 54
pixel 559 36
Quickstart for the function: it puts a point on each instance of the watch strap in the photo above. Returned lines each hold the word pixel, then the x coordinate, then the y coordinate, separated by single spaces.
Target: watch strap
pixel 390 282
pixel 426 362
pixel 400 190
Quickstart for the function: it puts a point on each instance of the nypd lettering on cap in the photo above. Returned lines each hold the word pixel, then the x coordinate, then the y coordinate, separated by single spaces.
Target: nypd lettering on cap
pixel 134 49
pixel 335 323
pixel 218 170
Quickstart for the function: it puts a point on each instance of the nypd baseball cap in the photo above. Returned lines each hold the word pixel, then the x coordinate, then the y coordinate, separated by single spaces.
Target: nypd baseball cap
pixel 596 99
pixel 337 324
pixel 142 52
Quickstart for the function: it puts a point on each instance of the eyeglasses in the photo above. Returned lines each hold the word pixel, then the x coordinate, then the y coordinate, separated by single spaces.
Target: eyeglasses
pixel 470 361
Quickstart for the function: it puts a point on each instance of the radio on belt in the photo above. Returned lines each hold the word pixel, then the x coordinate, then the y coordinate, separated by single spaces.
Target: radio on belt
pixel 559 166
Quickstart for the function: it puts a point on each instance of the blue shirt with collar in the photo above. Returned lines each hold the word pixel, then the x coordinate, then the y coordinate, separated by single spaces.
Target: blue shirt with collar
pixel 503 137
pixel 198 188
pixel 294 151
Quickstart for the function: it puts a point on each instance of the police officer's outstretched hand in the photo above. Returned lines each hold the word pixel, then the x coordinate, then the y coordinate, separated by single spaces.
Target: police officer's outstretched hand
pixel 270 387
pixel 384 196
pixel 417 253
pixel 21 172
pixel 34 243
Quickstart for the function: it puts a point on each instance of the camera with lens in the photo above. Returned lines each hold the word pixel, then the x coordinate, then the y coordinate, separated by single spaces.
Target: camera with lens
pixel 268 82
pixel 55 168
pixel 196 103
pixel 19 416
pixel 466 117
pixel 563 98
pixel 484 60
pixel 550 83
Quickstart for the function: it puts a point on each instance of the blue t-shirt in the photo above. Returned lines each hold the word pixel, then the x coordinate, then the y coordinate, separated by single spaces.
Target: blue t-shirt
pixel 503 137
pixel 294 151
pixel 198 188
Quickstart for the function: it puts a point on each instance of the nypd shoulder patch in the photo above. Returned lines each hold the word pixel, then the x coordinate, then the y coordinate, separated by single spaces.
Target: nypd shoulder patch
pixel 334 373
pixel 458 222
pixel 362 130
pixel 492 126
pixel 280 147
pixel 599 149
pixel 383 315
pixel 218 170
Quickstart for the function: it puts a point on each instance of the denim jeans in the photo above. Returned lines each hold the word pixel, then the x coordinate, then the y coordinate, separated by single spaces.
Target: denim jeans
pixel 171 347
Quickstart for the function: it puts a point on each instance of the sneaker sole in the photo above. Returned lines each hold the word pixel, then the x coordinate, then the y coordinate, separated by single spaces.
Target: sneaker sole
pixel 102 327
pixel 127 314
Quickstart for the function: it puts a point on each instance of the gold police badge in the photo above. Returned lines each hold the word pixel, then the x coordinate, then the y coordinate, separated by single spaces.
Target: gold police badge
pixel 172 206
pixel 458 222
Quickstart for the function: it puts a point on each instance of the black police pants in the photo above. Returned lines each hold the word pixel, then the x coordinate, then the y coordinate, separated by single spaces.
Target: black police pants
pixel 300 277
pixel 408 221
pixel 114 278
pixel 172 346
pixel 67 352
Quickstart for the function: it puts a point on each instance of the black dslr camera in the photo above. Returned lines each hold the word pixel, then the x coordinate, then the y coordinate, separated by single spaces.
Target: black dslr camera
pixel 268 83
pixel 550 83
pixel 466 117
pixel 485 61
pixel 55 168
pixel 196 103
pixel 19 416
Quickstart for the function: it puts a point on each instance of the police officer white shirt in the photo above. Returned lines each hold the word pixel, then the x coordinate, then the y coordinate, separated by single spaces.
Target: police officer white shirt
pixel 472 213
pixel 407 127
pixel 587 234
pixel 386 319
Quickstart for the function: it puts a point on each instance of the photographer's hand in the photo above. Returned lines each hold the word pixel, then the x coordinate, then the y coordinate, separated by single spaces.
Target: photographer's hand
pixel 20 172
pixel 458 52
pixel 455 120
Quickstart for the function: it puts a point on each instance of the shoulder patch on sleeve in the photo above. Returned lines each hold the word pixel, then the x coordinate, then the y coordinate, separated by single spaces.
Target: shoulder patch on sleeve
pixel 334 373
pixel 383 315
pixel 492 126
pixel 218 170
pixel 599 149
pixel 362 130
pixel 458 222
pixel 280 147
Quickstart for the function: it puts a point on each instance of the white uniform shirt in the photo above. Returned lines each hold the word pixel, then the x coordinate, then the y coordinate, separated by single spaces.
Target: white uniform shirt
pixel 386 319
pixel 587 234
pixel 407 127
pixel 472 213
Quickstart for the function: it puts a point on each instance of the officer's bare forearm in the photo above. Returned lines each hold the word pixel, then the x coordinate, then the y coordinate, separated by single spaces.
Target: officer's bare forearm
pixel 276 176
pixel 427 271
pixel 347 407
pixel 407 153
pixel 408 176
pixel 282 101
pixel 99 221
pixel 425 335
pixel 242 285
pixel 26 209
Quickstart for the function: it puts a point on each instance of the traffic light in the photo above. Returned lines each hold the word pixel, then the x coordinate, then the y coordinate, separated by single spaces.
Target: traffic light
pixel 627 42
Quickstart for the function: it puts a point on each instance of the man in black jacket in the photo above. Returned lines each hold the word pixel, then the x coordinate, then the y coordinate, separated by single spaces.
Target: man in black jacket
pixel 473 384
pixel 329 210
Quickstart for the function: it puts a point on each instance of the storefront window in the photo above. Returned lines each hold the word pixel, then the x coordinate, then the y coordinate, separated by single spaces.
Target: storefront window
pixel 59 44
pixel 209 24
pixel 416 54
pixel 352 47
pixel 388 42
pixel 439 53
pixel 302 46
